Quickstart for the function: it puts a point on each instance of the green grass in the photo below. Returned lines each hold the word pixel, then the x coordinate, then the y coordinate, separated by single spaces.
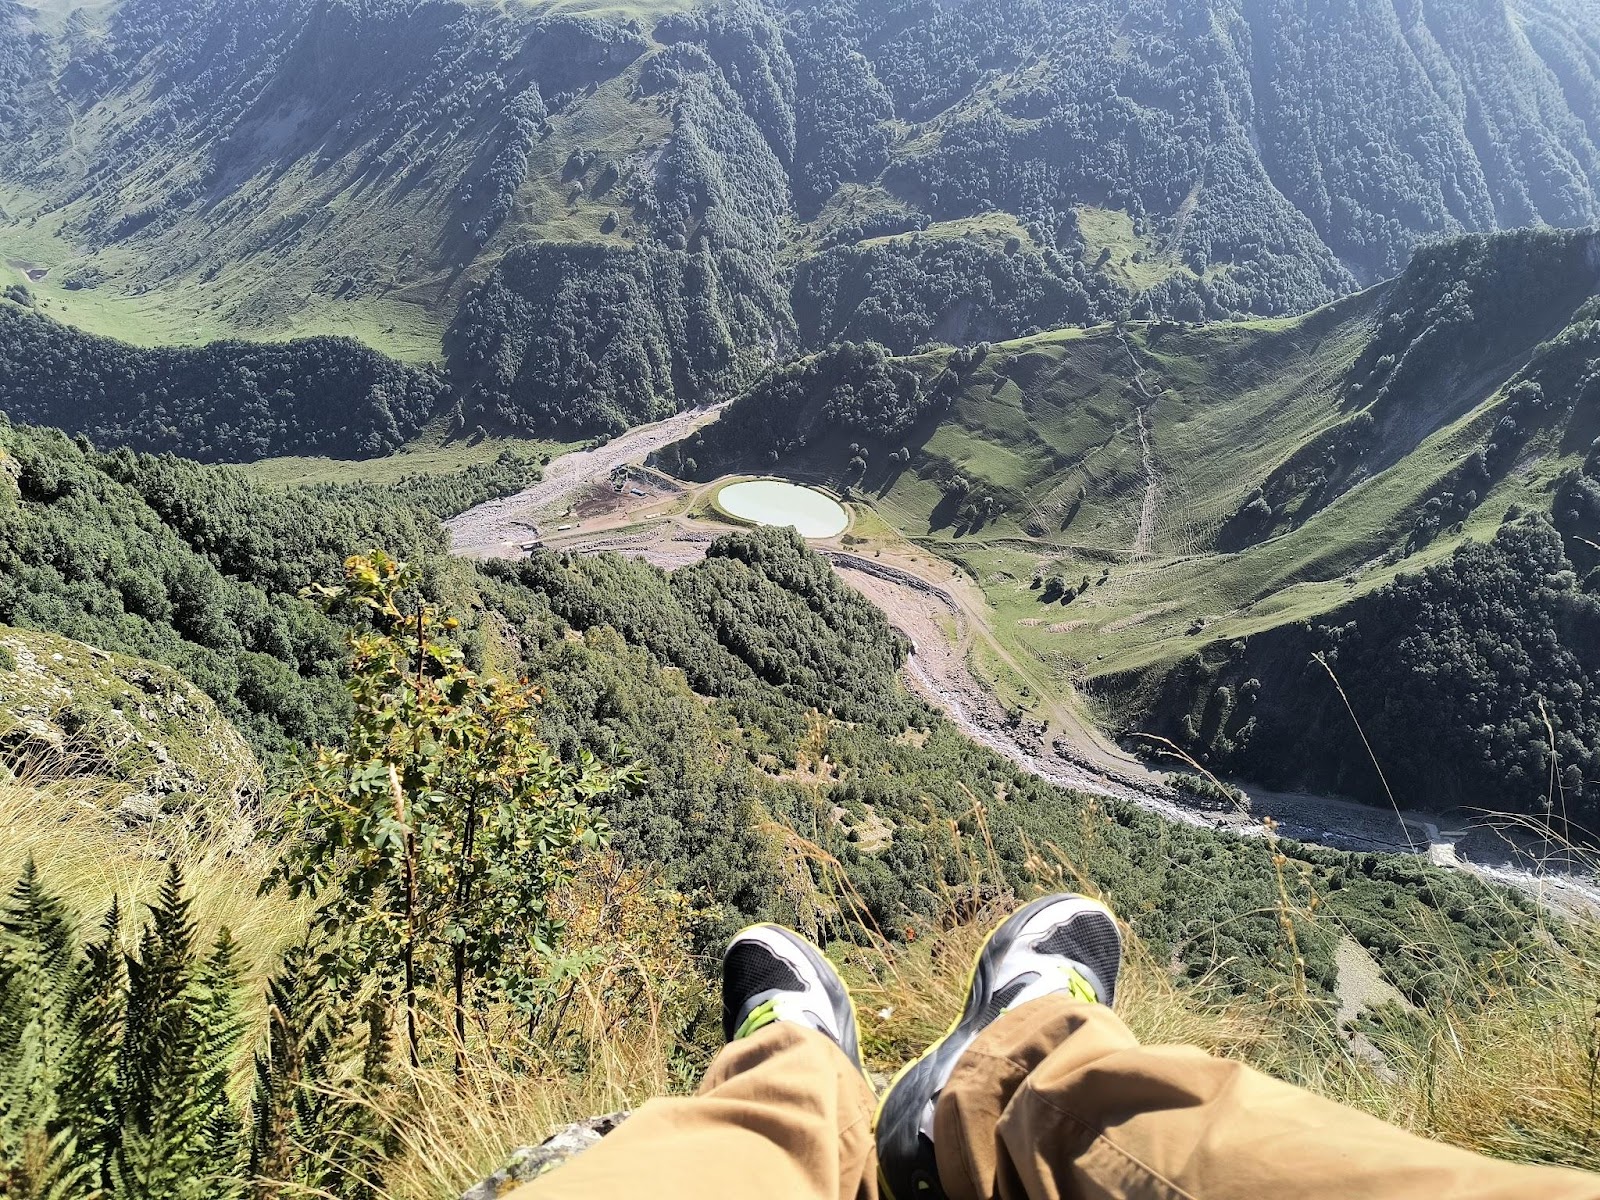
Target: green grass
pixel 1049 424
pixel 851 203
pixel 994 229
pixel 187 311
pixel 304 247
pixel 1136 261
pixel 432 454
pixel 614 125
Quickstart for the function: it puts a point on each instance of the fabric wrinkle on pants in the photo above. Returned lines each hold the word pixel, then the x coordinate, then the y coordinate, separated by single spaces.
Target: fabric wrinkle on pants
pixel 1055 1101
pixel 781 1113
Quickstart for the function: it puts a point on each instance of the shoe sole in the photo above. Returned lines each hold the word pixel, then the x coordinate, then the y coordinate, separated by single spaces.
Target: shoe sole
pixel 984 964
pixel 828 977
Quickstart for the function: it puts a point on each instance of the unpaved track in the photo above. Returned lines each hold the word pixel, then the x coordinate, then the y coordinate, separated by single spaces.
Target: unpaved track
pixel 933 609
pixel 495 529
pixel 941 630
pixel 1144 539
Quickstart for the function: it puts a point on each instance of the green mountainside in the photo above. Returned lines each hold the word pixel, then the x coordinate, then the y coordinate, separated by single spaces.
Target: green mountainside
pixel 778 770
pixel 233 401
pixel 597 215
pixel 1244 353
pixel 146 743
pixel 1156 514
pixel 753 688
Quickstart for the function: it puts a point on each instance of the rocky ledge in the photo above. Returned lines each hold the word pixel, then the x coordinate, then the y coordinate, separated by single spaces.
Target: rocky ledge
pixel 530 1162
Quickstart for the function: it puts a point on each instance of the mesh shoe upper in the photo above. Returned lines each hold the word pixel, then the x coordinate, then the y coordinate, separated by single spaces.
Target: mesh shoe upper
pixel 773 974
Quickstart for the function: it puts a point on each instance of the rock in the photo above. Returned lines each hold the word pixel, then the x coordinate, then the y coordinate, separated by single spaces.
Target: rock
pixel 529 1162
pixel 141 808
pixel 136 739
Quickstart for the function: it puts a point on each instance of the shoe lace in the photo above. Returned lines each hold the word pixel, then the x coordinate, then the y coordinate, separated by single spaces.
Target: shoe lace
pixel 760 1017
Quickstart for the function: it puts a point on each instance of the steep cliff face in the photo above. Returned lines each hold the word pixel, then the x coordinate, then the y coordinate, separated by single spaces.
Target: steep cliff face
pixel 134 738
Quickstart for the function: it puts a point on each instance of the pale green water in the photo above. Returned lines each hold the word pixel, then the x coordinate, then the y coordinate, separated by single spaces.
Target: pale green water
pixel 773 502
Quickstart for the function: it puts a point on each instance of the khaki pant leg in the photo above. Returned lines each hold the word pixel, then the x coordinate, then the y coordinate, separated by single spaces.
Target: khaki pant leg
pixel 1058 1100
pixel 780 1114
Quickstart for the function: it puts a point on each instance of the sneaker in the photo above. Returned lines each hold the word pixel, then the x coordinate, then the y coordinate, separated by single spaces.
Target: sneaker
pixel 773 974
pixel 1060 944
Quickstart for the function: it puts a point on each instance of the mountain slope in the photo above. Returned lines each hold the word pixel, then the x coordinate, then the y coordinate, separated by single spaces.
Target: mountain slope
pixel 1145 506
pixel 233 401
pixel 741 184
pixel 137 739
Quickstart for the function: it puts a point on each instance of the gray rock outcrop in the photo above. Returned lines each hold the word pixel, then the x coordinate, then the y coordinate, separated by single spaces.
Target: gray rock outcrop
pixel 530 1162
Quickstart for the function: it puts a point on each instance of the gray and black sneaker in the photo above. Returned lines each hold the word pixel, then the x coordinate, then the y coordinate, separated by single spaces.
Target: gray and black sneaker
pixel 773 974
pixel 1059 944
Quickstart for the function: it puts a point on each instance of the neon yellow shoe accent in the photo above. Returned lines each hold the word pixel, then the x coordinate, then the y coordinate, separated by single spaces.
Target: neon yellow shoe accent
pixel 1078 987
pixel 760 1017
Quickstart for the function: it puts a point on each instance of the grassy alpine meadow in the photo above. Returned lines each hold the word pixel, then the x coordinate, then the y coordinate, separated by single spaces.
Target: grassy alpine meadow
pixel 436 452
pixel 1508 1072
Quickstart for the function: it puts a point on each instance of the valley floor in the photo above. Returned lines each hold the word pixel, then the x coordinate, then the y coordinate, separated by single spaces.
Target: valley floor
pixel 606 499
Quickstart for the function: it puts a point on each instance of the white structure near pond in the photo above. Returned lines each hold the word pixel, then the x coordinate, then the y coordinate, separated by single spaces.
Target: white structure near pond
pixel 773 502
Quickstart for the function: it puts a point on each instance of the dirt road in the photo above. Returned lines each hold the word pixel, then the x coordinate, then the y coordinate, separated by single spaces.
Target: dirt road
pixel 495 529
pixel 944 615
pixel 1144 539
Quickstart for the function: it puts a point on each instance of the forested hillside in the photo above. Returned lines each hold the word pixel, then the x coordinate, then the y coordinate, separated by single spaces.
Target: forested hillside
pixel 198 569
pixel 227 401
pixel 1177 519
pixel 1473 680
pixel 1228 371
pixel 769 765
pixel 751 688
pixel 617 215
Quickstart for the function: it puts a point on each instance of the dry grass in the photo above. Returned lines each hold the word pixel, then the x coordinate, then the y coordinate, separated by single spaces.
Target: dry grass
pixel 629 1012
pixel 611 1035
pixel 621 994
pixel 1513 1073
pixel 86 855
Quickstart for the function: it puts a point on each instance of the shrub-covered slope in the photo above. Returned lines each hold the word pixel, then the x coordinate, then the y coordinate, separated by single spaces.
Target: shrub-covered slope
pixel 1473 680
pixel 198 569
pixel 135 739
pixel 227 401
pixel 759 694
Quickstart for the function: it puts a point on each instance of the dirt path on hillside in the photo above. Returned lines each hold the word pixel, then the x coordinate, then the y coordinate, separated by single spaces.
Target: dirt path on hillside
pixel 1144 539
pixel 1180 222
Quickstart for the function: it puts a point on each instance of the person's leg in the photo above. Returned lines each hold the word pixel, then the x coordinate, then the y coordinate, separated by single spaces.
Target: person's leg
pixel 1057 1099
pixel 784 1111
pixel 1039 1092
pixel 1055 944
pixel 781 1113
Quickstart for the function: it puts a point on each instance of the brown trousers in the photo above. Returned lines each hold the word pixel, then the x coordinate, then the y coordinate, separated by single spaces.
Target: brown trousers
pixel 1054 1100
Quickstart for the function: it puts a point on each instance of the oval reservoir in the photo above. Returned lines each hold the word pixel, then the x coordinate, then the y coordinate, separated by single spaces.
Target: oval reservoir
pixel 774 502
